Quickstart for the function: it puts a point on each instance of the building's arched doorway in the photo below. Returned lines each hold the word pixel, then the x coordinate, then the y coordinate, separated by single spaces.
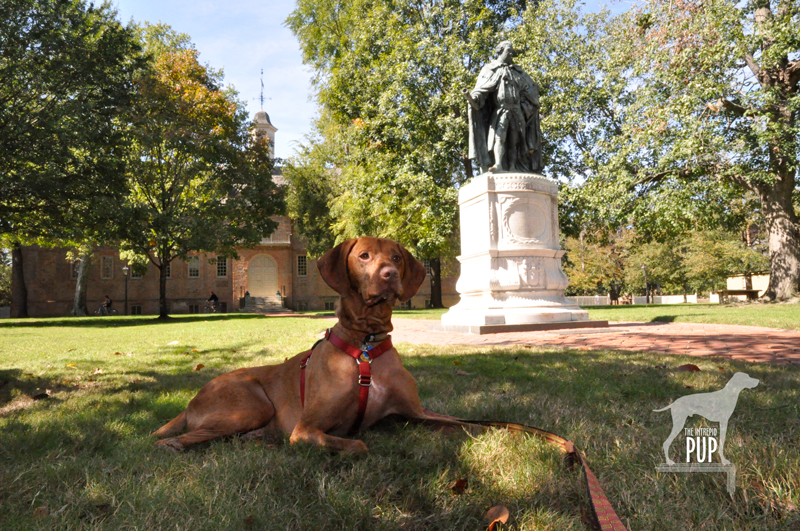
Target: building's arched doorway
pixel 262 276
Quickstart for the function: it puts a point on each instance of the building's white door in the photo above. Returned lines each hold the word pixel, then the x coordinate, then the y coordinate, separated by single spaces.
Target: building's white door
pixel 262 276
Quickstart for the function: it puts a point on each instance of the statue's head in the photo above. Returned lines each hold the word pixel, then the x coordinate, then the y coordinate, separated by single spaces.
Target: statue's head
pixel 505 51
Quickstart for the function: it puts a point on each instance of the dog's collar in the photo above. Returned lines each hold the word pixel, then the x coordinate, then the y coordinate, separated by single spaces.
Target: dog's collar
pixel 366 353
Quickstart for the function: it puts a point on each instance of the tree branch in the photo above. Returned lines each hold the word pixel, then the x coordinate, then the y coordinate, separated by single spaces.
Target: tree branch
pixel 754 68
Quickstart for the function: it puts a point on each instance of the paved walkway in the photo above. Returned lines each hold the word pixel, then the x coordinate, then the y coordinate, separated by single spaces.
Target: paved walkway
pixel 744 343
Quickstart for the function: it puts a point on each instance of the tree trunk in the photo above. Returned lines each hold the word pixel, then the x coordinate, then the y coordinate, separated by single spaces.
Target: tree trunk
pixel 162 287
pixel 436 283
pixel 784 242
pixel 19 293
pixel 79 308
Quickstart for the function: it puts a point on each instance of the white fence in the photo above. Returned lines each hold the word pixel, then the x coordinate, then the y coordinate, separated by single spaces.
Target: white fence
pixel 590 300
pixel 603 300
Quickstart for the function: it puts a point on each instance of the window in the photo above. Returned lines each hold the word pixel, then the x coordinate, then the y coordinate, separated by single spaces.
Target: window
pixel 169 270
pixel 302 265
pixel 194 308
pixel 330 306
pixel 222 267
pixel 194 267
pixel 301 306
pixel 428 303
pixel 107 267
pixel 137 272
pixel 74 268
pixel 427 263
pixel 136 309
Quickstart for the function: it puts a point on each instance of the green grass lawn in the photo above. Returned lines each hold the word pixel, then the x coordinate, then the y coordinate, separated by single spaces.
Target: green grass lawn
pixel 83 458
pixel 754 314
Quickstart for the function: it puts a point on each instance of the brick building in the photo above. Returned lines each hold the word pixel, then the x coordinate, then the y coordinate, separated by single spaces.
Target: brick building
pixel 277 274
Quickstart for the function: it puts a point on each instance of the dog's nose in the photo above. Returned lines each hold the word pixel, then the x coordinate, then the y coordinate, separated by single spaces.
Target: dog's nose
pixel 389 273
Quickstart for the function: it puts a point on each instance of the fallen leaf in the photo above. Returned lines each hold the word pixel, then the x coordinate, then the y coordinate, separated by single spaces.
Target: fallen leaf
pixel 195 350
pixel 136 381
pixel 721 368
pixel 458 486
pixel 172 343
pixel 457 362
pixel 70 350
pixel 462 373
pixel 688 367
pixel 70 365
pixel 250 520
pixel 688 387
pixel 198 366
pixel 118 353
pixel 498 513
pixel 98 371
pixel 40 512
pixel 234 352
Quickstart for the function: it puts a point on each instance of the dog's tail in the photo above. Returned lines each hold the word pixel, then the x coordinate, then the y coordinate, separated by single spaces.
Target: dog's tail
pixel 172 427
pixel 656 410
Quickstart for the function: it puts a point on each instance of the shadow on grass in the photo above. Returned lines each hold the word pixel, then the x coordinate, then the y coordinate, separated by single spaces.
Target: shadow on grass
pixel 119 322
pixel 602 401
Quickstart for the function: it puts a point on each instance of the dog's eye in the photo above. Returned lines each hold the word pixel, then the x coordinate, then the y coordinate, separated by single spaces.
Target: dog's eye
pixel 364 256
pixel 396 258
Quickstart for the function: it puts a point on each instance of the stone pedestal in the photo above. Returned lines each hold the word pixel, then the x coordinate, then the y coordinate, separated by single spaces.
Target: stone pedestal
pixel 511 276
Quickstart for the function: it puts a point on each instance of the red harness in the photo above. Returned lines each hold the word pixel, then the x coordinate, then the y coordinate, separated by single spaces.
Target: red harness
pixel 363 356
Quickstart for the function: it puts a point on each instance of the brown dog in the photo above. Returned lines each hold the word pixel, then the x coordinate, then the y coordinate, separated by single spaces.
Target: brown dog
pixel 370 274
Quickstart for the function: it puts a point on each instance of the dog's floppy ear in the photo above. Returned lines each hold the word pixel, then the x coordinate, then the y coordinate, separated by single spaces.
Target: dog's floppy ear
pixel 413 276
pixel 333 267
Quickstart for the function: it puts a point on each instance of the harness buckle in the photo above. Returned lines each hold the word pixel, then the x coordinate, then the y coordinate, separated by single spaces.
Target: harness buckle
pixel 364 381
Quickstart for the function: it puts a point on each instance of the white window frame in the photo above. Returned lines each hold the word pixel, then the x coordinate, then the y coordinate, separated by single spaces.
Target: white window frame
pixel 169 270
pixel 427 263
pixel 189 269
pixel 222 261
pixel 135 275
pixel 103 261
pixel 304 272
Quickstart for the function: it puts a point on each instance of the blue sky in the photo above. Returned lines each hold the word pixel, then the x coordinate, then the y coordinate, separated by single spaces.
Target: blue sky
pixel 242 37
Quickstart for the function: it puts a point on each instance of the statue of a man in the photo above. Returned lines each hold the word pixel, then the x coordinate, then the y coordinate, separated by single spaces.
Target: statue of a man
pixel 504 132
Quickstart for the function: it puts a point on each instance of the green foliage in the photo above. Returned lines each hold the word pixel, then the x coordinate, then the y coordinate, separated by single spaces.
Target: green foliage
pixel 66 73
pixel 5 276
pixel 595 266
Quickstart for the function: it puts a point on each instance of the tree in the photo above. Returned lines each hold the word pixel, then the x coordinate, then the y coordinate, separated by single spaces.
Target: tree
pixel 199 179
pixel 717 104
pixel 66 73
pixel 5 277
pixel 595 263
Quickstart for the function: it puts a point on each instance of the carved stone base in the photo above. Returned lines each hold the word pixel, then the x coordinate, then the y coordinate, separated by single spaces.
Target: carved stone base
pixel 510 256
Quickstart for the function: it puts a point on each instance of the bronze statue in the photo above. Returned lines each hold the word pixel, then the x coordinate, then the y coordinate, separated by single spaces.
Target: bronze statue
pixel 504 132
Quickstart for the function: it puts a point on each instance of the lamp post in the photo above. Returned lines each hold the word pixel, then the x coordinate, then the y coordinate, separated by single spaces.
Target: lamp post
pixel 646 298
pixel 125 270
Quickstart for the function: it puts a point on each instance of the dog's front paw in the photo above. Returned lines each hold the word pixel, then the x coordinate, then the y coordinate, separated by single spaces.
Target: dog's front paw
pixel 173 445
pixel 356 447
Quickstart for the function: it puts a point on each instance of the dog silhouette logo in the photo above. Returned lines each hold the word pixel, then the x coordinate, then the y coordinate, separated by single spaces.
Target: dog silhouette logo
pixel 715 407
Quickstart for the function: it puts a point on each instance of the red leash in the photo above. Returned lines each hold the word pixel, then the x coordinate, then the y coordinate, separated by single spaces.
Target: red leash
pixel 363 356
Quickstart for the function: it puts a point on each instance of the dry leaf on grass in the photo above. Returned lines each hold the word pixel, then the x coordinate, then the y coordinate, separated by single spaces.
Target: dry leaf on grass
pixel 462 373
pixel 172 343
pixel 458 486
pixel 118 353
pixel 457 362
pixel 250 520
pixel 98 371
pixel 195 350
pixel 198 366
pixel 40 512
pixel 688 367
pixel 498 513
